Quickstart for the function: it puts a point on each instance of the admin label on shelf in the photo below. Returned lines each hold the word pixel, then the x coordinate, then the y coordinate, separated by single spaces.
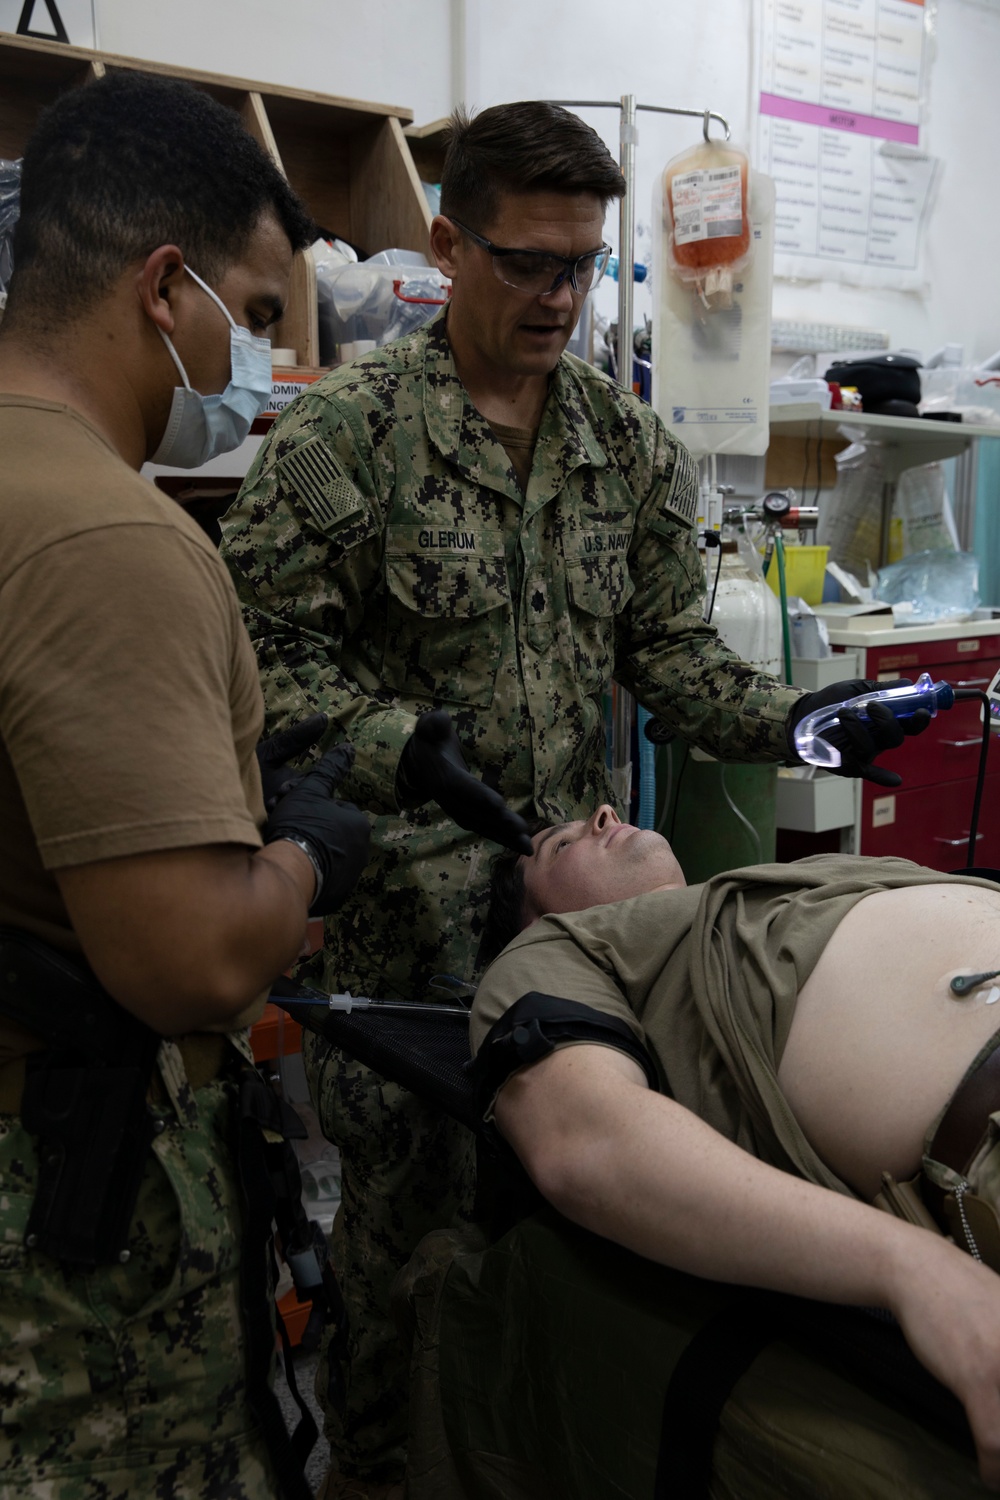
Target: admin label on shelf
pixel 286 387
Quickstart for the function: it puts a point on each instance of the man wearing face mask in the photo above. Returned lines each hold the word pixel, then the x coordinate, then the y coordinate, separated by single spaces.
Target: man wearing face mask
pixel 155 237
pixel 200 426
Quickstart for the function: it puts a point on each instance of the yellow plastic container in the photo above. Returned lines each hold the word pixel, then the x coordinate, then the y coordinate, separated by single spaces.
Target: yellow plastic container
pixel 804 570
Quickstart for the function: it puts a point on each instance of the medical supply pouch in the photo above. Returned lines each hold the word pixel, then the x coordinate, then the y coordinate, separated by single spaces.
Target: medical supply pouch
pixel 555 1365
pixel 84 1099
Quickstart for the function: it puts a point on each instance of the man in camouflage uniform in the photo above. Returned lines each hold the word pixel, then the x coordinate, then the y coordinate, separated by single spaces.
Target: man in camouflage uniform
pixel 472 519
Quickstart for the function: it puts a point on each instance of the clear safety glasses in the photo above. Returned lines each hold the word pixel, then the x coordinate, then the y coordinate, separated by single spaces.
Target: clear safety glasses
pixel 536 272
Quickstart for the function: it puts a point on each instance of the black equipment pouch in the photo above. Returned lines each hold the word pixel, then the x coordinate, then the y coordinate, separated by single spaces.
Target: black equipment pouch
pixel 84 1100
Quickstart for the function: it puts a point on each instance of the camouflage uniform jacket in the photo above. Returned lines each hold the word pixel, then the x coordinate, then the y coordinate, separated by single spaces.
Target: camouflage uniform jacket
pixel 388 562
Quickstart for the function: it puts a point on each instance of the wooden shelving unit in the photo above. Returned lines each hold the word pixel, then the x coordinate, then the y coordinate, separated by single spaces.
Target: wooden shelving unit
pixel 347 158
pixel 427 147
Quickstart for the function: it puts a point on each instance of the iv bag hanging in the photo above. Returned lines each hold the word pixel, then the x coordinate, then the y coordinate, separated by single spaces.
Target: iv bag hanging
pixel 711 362
pixel 706 212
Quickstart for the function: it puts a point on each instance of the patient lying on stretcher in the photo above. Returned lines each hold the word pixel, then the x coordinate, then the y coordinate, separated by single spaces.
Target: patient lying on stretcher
pixel 655 1051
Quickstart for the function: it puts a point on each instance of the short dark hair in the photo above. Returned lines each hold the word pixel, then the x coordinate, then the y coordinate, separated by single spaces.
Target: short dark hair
pixel 132 161
pixel 530 147
pixel 505 917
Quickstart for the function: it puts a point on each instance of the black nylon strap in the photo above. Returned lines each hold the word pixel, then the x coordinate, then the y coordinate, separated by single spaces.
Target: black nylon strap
pixel 298 1233
pixel 864 1344
pixel 259 1107
pixel 703 1378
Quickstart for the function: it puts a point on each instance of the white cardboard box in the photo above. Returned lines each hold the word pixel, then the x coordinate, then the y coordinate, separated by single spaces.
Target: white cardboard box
pixel 814 672
pixel 853 616
pixel 815 805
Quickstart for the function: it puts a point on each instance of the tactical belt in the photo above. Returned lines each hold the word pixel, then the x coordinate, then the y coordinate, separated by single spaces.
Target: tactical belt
pixel 203 1054
pixel 972 1221
pixel 964 1122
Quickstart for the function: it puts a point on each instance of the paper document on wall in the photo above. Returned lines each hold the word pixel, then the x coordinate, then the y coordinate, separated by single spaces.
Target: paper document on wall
pixel 840 88
pixel 42 19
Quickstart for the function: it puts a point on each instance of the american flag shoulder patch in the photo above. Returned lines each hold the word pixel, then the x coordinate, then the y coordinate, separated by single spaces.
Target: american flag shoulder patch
pixel 317 479
pixel 682 496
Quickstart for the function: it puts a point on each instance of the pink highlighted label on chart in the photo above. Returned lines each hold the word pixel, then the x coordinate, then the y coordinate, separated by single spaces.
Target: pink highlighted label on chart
pixel 838 119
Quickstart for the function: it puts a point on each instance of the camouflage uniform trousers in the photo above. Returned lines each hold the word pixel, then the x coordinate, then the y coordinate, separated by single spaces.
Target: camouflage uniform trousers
pixel 126 1382
pixel 407 1169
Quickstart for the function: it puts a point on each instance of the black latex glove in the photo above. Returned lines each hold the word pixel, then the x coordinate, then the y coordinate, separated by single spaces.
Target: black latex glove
pixel 276 777
pixel 432 769
pixel 337 833
pixel 858 741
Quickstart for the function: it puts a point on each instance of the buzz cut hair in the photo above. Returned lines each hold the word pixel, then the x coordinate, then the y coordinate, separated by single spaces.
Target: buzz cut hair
pixel 529 147
pixel 120 166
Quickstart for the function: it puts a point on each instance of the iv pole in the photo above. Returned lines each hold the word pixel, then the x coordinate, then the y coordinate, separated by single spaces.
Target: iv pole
pixel 621 729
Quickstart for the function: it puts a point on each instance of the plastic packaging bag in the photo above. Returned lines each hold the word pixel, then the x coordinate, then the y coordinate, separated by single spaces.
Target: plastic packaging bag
pixel 746 614
pixel 851 517
pixel 934 586
pixel 974 394
pixel 376 300
pixel 10 208
pixel 706 207
pixel 809 634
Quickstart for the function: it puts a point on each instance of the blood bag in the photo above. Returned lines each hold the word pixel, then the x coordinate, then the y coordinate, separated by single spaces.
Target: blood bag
pixel 712 364
pixel 706 213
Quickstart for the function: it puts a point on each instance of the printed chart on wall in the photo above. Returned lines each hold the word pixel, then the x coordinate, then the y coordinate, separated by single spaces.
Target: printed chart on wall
pixel 840 88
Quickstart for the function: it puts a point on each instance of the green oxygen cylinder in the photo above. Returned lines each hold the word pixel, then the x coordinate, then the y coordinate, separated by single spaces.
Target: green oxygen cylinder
pixel 707 835
pixel 721 817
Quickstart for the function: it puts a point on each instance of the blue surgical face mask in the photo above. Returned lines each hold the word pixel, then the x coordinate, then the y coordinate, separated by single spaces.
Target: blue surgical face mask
pixel 200 426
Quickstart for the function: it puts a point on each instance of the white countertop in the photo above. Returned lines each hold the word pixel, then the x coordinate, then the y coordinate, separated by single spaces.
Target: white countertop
pixel 908 635
pixel 904 441
pixel 791 417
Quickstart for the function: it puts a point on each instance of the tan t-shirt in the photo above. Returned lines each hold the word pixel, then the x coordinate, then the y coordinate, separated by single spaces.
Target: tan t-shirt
pixel 519 443
pixel 129 696
pixel 707 977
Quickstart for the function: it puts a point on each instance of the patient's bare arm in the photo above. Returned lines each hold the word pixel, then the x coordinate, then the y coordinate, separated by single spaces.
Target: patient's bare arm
pixel 640 1169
